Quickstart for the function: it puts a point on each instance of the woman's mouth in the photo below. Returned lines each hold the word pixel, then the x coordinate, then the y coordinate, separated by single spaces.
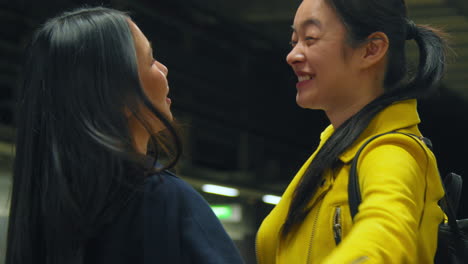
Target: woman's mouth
pixel 304 80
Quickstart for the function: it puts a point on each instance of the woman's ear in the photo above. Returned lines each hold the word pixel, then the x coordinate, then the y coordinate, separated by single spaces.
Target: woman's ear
pixel 127 112
pixel 374 50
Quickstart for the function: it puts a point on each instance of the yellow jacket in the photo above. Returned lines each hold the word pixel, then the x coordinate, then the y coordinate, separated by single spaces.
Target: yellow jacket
pixel 398 218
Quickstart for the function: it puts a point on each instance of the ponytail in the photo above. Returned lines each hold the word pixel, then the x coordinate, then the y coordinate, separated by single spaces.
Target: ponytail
pixel 432 58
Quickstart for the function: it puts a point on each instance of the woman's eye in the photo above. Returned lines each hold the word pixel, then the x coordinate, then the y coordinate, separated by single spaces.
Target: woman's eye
pixel 307 39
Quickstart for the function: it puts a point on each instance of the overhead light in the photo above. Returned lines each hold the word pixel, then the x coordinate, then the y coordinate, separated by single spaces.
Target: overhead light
pixel 220 190
pixel 271 199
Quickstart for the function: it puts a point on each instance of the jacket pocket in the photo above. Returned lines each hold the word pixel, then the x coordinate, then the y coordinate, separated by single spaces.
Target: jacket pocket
pixel 337 225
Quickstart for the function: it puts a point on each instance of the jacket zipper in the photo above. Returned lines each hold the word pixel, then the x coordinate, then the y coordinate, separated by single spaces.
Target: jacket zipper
pixel 337 229
pixel 314 227
pixel 360 260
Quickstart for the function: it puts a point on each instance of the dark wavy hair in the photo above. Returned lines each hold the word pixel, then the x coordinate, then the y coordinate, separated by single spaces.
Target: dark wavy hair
pixel 361 18
pixel 76 164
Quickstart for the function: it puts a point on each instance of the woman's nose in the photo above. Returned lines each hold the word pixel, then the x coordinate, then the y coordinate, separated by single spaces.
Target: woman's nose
pixel 295 56
pixel 163 68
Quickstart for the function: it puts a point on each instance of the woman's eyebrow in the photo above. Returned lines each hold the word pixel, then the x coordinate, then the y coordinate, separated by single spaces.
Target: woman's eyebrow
pixel 309 22
pixel 150 50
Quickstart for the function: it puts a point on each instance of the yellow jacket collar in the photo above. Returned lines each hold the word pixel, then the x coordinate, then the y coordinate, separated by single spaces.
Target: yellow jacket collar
pixel 397 116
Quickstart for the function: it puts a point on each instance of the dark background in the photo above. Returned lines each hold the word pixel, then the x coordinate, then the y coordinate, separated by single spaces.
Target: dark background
pixel 233 92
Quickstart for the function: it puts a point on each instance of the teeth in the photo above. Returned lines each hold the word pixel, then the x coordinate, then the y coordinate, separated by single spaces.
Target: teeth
pixel 304 78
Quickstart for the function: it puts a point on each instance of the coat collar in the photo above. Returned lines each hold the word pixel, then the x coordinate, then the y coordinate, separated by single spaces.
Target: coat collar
pixel 399 115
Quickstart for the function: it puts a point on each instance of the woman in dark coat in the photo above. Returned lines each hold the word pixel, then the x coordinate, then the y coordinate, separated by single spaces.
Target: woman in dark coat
pixel 85 189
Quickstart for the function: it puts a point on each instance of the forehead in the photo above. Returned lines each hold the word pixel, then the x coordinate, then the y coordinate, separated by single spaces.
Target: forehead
pixel 313 10
pixel 141 43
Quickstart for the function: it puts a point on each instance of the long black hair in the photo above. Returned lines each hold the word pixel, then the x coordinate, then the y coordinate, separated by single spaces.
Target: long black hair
pixel 361 18
pixel 76 164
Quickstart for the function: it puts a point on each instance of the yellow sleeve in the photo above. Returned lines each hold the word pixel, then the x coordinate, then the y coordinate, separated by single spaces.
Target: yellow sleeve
pixel 392 178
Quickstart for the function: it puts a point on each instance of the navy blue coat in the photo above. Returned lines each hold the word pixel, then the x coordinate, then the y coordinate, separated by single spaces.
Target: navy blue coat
pixel 169 222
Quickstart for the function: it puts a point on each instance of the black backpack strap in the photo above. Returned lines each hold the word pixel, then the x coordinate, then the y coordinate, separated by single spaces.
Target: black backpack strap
pixel 454 241
pixel 354 192
pixel 453 187
pixel 449 203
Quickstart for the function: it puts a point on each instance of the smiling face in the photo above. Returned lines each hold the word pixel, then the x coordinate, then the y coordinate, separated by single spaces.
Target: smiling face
pixel 153 79
pixel 153 74
pixel 324 63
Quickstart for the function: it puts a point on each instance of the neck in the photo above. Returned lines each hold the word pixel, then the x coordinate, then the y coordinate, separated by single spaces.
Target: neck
pixel 140 135
pixel 338 116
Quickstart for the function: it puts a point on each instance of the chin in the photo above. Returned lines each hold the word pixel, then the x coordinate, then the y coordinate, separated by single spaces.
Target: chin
pixel 306 104
pixel 169 116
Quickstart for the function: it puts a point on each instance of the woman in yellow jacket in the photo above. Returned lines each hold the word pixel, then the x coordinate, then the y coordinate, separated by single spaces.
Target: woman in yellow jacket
pixel 349 56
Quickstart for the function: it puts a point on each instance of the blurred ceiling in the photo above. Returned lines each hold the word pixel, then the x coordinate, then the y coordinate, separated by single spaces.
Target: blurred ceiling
pixel 274 17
